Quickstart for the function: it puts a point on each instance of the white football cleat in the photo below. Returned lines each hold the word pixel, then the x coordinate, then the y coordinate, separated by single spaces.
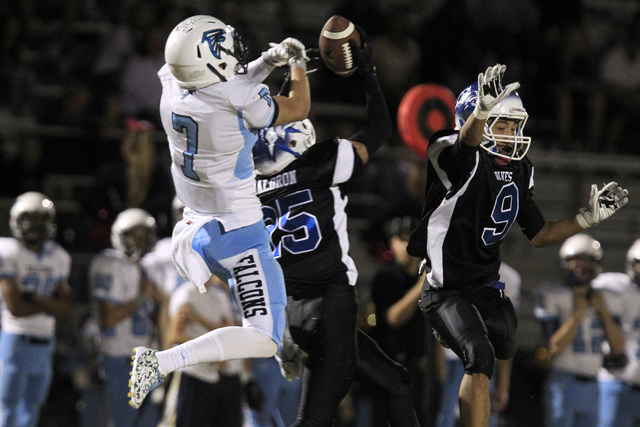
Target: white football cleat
pixel 145 375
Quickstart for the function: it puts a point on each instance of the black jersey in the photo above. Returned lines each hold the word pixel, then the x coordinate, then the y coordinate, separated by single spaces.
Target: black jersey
pixel 470 205
pixel 304 210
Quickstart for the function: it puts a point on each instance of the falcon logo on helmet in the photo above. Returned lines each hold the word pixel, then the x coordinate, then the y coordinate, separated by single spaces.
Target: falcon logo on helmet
pixel 278 146
pixel 202 50
pixel 215 39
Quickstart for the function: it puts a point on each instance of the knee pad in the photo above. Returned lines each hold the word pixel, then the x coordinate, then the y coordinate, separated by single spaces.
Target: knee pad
pixel 478 355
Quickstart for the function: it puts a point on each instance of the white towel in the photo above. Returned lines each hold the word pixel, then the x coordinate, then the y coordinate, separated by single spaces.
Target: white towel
pixel 190 264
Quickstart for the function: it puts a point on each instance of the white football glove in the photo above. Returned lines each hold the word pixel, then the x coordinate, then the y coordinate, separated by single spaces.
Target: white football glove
pixel 279 54
pixel 490 90
pixel 291 359
pixel 602 204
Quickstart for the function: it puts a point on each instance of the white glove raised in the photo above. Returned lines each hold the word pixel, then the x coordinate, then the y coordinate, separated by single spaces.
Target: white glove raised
pixel 602 204
pixel 490 90
pixel 279 54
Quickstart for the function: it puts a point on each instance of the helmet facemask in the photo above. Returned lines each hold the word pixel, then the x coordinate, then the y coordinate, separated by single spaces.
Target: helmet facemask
pixel 507 146
pixel 633 262
pixel 278 146
pixel 581 259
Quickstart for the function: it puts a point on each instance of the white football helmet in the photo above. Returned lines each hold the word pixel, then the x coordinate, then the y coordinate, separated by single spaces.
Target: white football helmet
pixel 134 246
pixel 510 108
pixel 581 245
pixel 202 50
pixel 633 256
pixel 32 218
pixel 278 146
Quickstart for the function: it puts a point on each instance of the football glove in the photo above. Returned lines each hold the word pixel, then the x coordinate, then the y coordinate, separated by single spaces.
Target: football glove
pixel 490 90
pixel 280 54
pixel 363 55
pixel 602 204
pixel 291 359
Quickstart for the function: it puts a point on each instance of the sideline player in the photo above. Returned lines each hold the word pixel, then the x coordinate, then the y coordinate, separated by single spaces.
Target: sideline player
pixel 303 189
pixel 577 318
pixel 479 182
pixel 211 107
pixel 34 270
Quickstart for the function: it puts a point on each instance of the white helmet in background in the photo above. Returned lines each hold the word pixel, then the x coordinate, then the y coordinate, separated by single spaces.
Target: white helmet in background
pixel 32 218
pixel 278 146
pixel 633 256
pixel 134 246
pixel 581 245
pixel 202 50
pixel 510 108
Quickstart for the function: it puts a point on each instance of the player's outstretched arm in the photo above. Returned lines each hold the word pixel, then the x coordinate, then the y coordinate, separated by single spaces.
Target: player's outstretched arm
pixel 296 106
pixel 277 55
pixel 602 204
pixel 490 93
pixel 379 127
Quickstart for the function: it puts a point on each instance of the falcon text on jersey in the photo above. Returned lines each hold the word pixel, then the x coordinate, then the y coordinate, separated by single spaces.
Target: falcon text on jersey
pixel 504 176
pixel 282 180
pixel 250 286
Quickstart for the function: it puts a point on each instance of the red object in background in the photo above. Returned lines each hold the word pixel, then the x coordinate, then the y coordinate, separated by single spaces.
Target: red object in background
pixel 425 109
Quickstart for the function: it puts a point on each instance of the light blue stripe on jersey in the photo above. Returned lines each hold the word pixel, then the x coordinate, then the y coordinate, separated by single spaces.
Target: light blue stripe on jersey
pixel 214 245
pixel 244 165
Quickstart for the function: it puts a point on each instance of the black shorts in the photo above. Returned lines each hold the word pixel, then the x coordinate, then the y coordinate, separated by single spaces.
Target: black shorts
pixel 456 314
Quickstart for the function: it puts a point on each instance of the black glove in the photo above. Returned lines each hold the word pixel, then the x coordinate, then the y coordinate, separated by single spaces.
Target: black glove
pixel 363 54
pixel 27 296
pixel 255 397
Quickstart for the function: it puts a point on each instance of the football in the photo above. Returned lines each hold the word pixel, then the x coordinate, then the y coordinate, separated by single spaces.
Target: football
pixel 334 45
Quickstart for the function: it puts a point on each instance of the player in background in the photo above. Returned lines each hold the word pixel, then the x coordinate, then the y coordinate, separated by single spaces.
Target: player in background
pixel 34 271
pixel 209 394
pixel 479 182
pixel 303 188
pixel 453 369
pixel 400 329
pixel 578 317
pixel 125 304
pixel 626 410
pixel 159 266
pixel 213 103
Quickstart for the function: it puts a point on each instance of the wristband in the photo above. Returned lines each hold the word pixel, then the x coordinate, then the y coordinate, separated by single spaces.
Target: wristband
pixel 582 221
pixel 298 62
pixel 480 114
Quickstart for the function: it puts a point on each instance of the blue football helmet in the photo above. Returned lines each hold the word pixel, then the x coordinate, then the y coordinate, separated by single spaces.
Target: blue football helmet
pixel 510 108
pixel 278 146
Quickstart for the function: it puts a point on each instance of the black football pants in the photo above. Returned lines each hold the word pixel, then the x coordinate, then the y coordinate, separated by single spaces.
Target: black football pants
pixel 326 328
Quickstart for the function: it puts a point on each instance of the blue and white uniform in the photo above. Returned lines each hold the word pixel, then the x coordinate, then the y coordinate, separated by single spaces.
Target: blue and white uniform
pixel 27 343
pixel 572 391
pixel 211 133
pixel 114 278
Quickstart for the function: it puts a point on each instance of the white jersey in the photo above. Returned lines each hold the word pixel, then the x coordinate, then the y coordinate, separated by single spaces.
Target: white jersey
pixel 629 294
pixel 215 306
pixel 584 356
pixel 159 266
pixel 114 278
pixel 35 272
pixel 211 133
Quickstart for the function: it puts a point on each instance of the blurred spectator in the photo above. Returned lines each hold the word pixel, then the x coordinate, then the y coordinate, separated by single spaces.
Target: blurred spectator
pixel 141 88
pixel 579 94
pixel 620 75
pixel 24 170
pixel 136 178
pixel 397 56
